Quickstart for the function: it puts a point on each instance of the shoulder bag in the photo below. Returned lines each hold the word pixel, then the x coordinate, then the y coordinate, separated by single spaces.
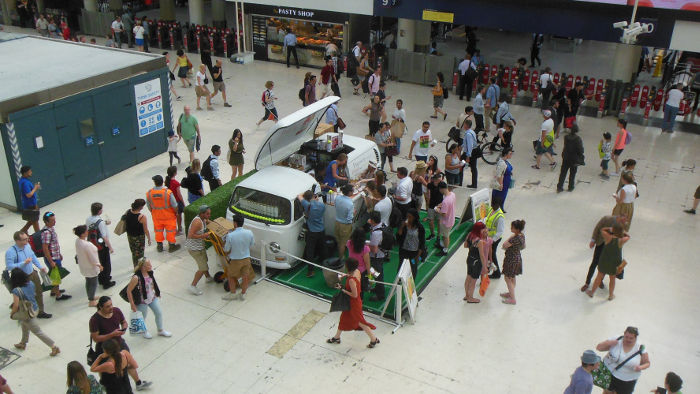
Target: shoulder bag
pixel 91 354
pixel 25 310
pixel 120 228
pixel 340 302
pixel 602 376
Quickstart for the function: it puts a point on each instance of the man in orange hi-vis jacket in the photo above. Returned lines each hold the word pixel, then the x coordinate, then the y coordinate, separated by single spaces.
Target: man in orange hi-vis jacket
pixel 163 206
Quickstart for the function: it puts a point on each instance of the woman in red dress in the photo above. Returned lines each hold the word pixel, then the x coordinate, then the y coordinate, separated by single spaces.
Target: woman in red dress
pixel 353 319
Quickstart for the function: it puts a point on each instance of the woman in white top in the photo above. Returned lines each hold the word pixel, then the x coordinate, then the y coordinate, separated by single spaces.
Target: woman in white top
pixel 546 86
pixel 138 35
pixel 88 262
pixel 625 199
pixel 673 104
pixel 626 359
pixel 200 87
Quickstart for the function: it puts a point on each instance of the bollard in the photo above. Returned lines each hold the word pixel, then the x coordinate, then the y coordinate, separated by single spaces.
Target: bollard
pixel 590 89
pixel 211 41
pixel 185 39
pixel 635 95
pixel 569 83
pixel 535 95
pixel 599 89
pixel 526 80
pixel 513 74
pixel 601 104
pixel 172 39
pixel 556 78
pixel 454 82
pixel 159 35
pixel 647 109
pixel 623 107
pixel 683 108
pixel 534 79
pixel 658 99
pixel 644 97
pixel 199 36
pixel 506 76
pixel 225 41
pixel 578 79
pixel 494 70
pixel 485 75
pixel 514 88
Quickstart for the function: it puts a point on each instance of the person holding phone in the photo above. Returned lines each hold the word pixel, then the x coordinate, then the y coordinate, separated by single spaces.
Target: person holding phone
pixel 672 385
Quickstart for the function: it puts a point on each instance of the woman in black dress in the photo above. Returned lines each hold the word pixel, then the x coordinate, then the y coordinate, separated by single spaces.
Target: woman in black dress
pixel 112 365
pixel 477 261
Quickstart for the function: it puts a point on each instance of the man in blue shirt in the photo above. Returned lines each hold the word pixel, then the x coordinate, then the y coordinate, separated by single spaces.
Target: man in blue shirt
pixel 290 44
pixel 238 244
pixel 314 211
pixel 332 116
pixel 21 256
pixel 27 190
pixel 491 104
pixel 344 213
pixel 582 380
pixel 468 150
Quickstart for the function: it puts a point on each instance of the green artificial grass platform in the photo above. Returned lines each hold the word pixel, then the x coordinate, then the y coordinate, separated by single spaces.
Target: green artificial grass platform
pixel 316 285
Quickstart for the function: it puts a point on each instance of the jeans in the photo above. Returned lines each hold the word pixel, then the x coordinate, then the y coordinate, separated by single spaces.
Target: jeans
pixel 398 144
pixel 105 276
pixel 594 263
pixel 155 307
pixel 669 118
pixel 91 287
pixel 378 265
pixel 38 290
pixel 384 158
pixel 571 168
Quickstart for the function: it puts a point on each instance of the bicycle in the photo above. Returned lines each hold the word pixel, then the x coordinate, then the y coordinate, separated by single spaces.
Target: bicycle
pixel 487 142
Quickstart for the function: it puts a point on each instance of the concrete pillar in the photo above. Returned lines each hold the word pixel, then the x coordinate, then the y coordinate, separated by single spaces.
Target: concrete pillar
pixel 116 6
pixel 406 34
pixel 90 5
pixel 196 12
pixel 218 13
pixel 167 10
pixel 422 36
pixel 625 62
pixel 7 7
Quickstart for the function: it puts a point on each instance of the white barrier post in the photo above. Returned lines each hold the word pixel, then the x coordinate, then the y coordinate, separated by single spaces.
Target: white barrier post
pixel 398 304
pixel 263 261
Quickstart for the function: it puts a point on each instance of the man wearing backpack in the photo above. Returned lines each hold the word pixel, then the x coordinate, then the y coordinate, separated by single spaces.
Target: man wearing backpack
pixel 163 206
pixel 210 168
pixel 21 256
pixel 52 251
pixel 98 235
pixel 377 255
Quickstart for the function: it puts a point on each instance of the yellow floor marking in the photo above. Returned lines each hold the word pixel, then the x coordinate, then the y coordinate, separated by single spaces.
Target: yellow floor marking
pixel 288 340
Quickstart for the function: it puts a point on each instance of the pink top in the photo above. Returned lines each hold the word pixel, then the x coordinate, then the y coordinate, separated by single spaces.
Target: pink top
pixel 358 256
pixel 620 139
pixel 447 210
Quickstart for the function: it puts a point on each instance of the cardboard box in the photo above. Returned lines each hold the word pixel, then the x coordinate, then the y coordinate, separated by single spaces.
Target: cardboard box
pixel 323 128
pixel 220 227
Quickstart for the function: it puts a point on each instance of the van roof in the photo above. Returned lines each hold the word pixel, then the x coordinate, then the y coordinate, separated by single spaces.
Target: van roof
pixel 281 181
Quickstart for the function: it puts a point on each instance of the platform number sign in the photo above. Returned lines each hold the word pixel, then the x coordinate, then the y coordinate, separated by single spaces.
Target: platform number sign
pixel 389 3
pixel 149 107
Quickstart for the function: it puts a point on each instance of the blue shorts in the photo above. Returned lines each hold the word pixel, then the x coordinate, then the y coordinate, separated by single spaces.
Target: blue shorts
pixel 139 42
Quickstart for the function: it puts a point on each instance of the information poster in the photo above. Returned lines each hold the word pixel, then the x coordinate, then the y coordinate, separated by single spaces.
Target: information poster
pixel 149 107
pixel 409 288
pixel 480 203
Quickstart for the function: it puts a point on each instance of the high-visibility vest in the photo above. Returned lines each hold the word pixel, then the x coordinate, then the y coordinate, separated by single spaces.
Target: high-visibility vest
pixel 159 199
pixel 492 221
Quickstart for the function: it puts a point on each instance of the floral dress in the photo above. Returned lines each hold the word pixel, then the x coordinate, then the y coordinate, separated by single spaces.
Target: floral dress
pixel 513 262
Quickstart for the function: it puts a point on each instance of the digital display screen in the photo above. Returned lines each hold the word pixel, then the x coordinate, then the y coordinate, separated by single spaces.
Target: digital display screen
pixel 668 4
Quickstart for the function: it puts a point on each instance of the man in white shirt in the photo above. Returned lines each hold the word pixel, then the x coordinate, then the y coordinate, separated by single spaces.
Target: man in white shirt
pixel 673 103
pixel 402 195
pixel 398 124
pixel 479 108
pixel 117 29
pixel 200 87
pixel 423 138
pixel 465 83
pixel 384 205
pixel 546 86
pixel 357 51
pixel 42 26
pixel 545 141
pixel 95 222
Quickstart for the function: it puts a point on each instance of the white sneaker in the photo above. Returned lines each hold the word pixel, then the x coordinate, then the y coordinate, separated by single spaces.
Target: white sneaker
pixel 194 290
pixel 209 279
pixel 229 296
pixel 164 333
pixel 147 335
pixel 241 297
pixel 143 386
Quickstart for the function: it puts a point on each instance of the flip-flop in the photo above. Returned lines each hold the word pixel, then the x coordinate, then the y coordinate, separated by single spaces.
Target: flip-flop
pixel 505 295
pixel 473 302
pixel 508 301
pixel 590 294
pixel 612 297
pixel 584 288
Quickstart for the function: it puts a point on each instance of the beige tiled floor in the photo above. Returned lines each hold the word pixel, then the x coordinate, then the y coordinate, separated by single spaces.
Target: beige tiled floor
pixel 220 346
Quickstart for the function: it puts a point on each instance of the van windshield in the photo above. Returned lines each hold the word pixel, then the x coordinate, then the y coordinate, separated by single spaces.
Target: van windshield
pixel 260 206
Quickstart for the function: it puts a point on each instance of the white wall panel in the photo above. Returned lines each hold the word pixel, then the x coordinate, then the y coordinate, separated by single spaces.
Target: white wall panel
pixel 686 36
pixel 364 7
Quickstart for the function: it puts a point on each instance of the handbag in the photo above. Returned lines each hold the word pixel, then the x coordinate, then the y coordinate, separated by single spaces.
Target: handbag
pixel 120 228
pixel 91 353
pixel 471 73
pixel 340 302
pixel 45 280
pixel 135 294
pixel 137 324
pixel 55 276
pixel 603 375
pixel 569 121
pixel 6 280
pixel 391 151
pixel 341 123
pixel 25 309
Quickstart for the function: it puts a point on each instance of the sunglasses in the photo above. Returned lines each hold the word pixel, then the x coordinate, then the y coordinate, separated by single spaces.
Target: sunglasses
pixel 48 215
pixel 632 330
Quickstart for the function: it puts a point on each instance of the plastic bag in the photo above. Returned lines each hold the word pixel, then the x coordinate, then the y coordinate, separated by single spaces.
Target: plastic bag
pixel 485 281
pixel 137 324
pixel 55 276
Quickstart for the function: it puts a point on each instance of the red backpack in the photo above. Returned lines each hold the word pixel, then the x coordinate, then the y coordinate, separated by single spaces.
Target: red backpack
pixel 262 100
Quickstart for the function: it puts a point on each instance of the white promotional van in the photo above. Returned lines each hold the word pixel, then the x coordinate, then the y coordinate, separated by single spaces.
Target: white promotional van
pixel 284 163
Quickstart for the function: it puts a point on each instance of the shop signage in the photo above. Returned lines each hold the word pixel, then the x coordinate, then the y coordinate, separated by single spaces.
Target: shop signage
pixel 437 16
pixel 294 12
pixel 149 107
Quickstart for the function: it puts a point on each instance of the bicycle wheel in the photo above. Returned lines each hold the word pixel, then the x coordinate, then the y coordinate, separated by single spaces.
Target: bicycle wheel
pixel 490 153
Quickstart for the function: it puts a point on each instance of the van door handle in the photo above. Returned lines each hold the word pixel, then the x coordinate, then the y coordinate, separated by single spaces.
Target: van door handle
pixel 101 143
pixel 132 149
pixel 68 175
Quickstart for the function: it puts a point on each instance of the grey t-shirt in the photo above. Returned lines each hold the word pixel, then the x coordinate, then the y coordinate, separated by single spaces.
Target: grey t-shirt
pixel 375 239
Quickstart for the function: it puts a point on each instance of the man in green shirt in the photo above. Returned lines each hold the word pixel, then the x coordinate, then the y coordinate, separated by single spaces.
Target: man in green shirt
pixel 188 130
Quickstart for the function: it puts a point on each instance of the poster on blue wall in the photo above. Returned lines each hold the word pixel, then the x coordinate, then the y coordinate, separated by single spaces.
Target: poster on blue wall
pixel 149 107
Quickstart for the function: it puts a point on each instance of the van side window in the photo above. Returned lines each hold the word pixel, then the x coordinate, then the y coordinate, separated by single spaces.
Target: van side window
pixel 298 209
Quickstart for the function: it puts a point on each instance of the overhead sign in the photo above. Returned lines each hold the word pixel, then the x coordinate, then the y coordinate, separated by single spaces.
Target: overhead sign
pixel 149 107
pixel 437 16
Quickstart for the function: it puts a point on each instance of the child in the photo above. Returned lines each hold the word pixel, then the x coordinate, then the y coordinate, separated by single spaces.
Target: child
pixel 172 146
pixel 605 150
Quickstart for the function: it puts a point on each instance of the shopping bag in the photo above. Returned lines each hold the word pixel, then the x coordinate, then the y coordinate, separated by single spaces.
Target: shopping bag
pixel 137 324
pixel 120 228
pixel 485 281
pixel 55 276
pixel 45 280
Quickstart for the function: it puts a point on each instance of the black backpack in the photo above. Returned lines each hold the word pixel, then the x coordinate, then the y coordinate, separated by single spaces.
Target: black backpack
pixel 36 244
pixel 445 92
pixel 365 85
pixel 395 217
pixel 302 93
pixel 388 239
pixel 206 170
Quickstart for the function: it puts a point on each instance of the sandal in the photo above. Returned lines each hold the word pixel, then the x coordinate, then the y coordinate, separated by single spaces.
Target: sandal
pixel 476 301
pixel 505 295
pixel 590 293
pixel 508 301
pixel 333 340
pixel 54 351
pixel 612 297
pixel 21 346
pixel 584 288
pixel 372 344
pixel 535 167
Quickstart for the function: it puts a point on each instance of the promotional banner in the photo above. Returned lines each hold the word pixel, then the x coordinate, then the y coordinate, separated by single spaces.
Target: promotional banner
pixel 409 288
pixel 668 4
pixel 149 107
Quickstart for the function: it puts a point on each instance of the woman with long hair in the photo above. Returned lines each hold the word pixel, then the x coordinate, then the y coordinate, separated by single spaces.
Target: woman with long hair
pixel 411 240
pixel 236 148
pixel 23 290
pixel 353 319
pixel 137 230
pixel 438 98
pixel 513 262
pixel 477 260
pixel 147 296
pixel 615 238
pixel 112 365
pixel 172 183
pixel 79 382
pixel 193 182
pixel 432 170
pixel 88 262
pixel 453 164
pixel 624 199
pixel 359 250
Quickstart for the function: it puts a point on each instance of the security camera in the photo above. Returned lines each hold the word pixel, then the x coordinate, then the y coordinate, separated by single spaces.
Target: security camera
pixel 620 25
pixel 647 27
